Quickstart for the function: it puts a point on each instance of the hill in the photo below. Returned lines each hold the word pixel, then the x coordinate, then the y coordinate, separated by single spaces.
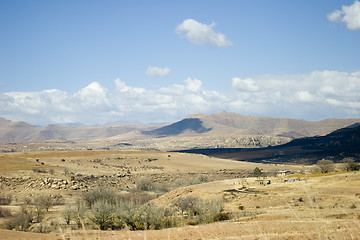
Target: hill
pixel 341 143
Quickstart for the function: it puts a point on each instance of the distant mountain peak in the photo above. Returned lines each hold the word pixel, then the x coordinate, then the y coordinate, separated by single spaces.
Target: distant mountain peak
pixel 187 125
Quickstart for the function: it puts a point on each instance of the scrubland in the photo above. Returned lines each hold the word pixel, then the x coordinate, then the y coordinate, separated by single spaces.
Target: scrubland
pixel 162 195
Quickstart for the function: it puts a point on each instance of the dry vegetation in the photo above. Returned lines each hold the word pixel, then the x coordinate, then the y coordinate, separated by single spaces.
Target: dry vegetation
pixel 131 195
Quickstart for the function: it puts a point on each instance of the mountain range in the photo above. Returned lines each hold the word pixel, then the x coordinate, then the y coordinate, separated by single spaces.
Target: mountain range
pixel 222 124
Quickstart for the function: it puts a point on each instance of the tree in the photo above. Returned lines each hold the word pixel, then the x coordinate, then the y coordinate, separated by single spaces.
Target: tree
pixel 45 202
pixel 257 172
pixel 326 165
pixel 350 164
pixel 103 214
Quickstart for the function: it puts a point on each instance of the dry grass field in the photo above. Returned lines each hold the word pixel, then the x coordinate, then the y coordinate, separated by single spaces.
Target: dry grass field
pixel 302 205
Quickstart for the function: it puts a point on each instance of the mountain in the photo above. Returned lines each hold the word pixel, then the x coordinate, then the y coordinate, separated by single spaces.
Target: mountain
pixel 18 132
pixel 344 142
pixel 285 127
pixel 217 130
pixel 225 123
pixel 185 126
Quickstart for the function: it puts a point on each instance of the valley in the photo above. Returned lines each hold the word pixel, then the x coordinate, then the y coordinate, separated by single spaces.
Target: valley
pixel 162 183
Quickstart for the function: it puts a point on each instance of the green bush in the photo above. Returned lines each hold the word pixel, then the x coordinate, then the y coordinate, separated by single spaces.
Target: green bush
pixel 257 172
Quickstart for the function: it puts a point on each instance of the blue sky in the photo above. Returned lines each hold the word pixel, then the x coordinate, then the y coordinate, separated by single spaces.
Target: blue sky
pixel 158 61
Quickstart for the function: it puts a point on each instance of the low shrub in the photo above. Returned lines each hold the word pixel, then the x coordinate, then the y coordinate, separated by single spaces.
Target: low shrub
pixel 100 194
pixel 4 212
pixel 19 222
pixel 144 184
pixel 5 199
pixel 36 170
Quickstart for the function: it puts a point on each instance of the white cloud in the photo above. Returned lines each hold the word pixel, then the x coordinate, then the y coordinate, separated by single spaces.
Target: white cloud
pixel 158 72
pixel 305 96
pixel 350 15
pixel 94 95
pixel 193 85
pixel 246 84
pixel 200 33
pixel 317 95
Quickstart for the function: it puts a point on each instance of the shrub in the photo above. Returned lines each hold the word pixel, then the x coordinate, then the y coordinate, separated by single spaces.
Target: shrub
pixel 20 222
pixel 45 202
pixel 36 170
pixel 139 198
pixel 144 184
pixel 350 164
pixel 127 214
pixel 185 204
pixel 326 165
pixel 103 214
pixel 256 172
pixel 199 210
pixel 5 199
pixel 179 182
pixel 4 212
pixel 203 178
pixel 153 217
pixel 208 210
pixel 100 194
pixel 79 213
pixel 67 214
pixel 222 217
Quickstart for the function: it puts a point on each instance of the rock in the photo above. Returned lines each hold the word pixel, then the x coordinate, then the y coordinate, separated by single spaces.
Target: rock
pixel 74 187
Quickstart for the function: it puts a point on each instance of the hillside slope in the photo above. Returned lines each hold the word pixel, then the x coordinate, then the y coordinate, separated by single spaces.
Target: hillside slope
pixel 341 143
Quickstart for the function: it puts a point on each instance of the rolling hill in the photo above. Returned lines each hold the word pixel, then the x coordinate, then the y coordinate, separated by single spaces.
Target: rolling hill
pixel 344 142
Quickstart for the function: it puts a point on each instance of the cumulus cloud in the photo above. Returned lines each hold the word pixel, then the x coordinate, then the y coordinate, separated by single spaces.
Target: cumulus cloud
pixel 246 84
pixel 350 15
pixel 158 72
pixel 313 96
pixel 201 33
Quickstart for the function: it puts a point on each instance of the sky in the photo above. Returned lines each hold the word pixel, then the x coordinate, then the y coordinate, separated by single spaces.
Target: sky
pixel 94 62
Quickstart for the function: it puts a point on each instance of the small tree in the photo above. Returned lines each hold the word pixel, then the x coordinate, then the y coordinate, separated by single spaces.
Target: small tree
pixel 257 172
pixel 103 214
pixel 350 164
pixel 45 201
pixel 79 212
pixel 67 213
pixel 326 165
